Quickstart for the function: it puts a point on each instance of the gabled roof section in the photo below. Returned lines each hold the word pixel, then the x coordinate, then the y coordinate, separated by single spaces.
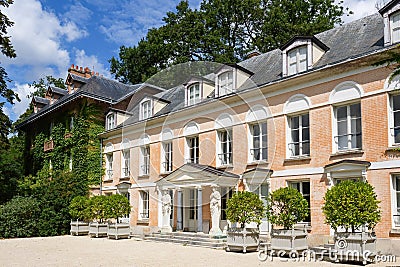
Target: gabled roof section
pixel 57 90
pixel 235 66
pixel 73 77
pixel 314 39
pixel 388 6
pixel 40 100
pixel 348 162
pixel 197 174
pixel 193 79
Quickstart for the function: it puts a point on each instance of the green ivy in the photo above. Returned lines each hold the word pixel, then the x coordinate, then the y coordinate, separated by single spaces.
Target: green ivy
pixel 82 144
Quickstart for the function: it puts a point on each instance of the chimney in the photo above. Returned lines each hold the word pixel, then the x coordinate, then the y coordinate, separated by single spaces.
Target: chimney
pixel 253 53
pixel 80 71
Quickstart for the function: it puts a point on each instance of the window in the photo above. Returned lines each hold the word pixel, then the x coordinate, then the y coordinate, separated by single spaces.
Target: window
pixel 171 193
pixel 259 142
pixel 348 120
pixel 145 160
pixel 109 166
pixel 110 121
pixel 193 94
pixel 146 110
pixel 395 120
pixel 225 147
pixel 144 205
pixel 299 144
pixel 395 27
pixel 193 149
pixel 226 195
pixel 297 60
pixel 167 151
pixel 225 83
pixel 192 204
pixel 126 161
pixel 396 200
pixel 304 188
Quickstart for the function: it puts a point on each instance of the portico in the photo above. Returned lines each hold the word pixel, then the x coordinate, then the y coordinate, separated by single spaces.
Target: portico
pixel 191 189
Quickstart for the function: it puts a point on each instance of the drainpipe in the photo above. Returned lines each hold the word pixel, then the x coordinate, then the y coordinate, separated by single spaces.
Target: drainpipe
pixel 101 166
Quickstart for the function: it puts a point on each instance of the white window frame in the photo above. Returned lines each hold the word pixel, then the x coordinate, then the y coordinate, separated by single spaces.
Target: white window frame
pixel 301 143
pixel 349 132
pixel 126 162
pixel 144 205
pixel 146 109
pixel 109 166
pixel 144 160
pixel 301 190
pixel 392 124
pixel 110 121
pixel 195 148
pixel 261 148
pixel 226 85
pixel 394 203
pixel 394 27
pixel 224 147
pixel 166 156
pixel 298 59
pixel 194 93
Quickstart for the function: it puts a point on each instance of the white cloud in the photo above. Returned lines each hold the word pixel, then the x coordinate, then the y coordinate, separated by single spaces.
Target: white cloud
pixel 23 90
pixel 92 62
pixel 360 8
pixel 38 37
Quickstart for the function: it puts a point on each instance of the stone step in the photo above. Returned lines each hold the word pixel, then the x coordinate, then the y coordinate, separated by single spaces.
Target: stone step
pixel 197 243
pixel 182 238
pixel 188 239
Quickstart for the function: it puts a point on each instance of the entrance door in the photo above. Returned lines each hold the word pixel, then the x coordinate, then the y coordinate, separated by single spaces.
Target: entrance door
pixel 191 211
pixel 262 190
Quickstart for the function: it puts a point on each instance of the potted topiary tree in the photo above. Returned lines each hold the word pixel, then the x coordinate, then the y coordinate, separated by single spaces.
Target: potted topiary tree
pixel 97 212
pixel 286 207
pixel 351 209
pixel 78 209
pixel 117 207
pixel 244 208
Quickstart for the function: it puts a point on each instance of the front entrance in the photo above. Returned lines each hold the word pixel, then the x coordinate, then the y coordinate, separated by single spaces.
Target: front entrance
pixel 190 210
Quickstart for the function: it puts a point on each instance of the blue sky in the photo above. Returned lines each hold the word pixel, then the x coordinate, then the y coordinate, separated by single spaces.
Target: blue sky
pixel 50 35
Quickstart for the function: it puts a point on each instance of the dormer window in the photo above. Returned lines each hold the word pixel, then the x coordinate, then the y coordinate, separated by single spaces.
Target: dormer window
pixel 146 109
pixel 297 60
pixel 110 121
pixel 193 94
pixel 225 83
pixel 301 53
pixel 395 27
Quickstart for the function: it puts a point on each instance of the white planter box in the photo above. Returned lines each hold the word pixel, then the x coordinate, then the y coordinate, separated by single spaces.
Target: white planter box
pixel 359 246
pixel 119 230
pixel 98 229
pixel 289 240
pixel 242 239
pixel 79 228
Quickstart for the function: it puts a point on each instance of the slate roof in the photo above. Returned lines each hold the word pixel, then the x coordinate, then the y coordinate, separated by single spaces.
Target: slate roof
pixel 41 100
pixel 58 91
pixel 345 42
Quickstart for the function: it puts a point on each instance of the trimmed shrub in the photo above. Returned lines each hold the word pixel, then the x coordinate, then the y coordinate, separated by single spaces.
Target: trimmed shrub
pixel 78 209
pixel 351 204
pixel 117 206
pixel 286 207
pixel 245 207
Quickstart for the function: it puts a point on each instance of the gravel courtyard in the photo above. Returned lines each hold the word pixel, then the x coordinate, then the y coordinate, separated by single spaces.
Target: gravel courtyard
pixel 85 251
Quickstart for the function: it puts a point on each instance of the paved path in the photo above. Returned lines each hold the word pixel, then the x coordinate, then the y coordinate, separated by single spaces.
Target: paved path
pixel 85 251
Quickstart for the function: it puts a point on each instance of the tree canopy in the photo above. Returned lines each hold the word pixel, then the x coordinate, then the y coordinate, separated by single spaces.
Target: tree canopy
pixel 224 32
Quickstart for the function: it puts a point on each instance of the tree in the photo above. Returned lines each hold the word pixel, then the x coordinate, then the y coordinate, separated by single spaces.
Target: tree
pixel 286 207
pixel 224 32
pixel 245 207
pixel 351 205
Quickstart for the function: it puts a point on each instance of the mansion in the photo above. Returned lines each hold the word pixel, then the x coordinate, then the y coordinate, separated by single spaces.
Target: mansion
pixel 308 115
pixel 313 113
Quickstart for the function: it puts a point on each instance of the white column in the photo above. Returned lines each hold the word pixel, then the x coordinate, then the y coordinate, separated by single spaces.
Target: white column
pixel 199 209
pixel 180 211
